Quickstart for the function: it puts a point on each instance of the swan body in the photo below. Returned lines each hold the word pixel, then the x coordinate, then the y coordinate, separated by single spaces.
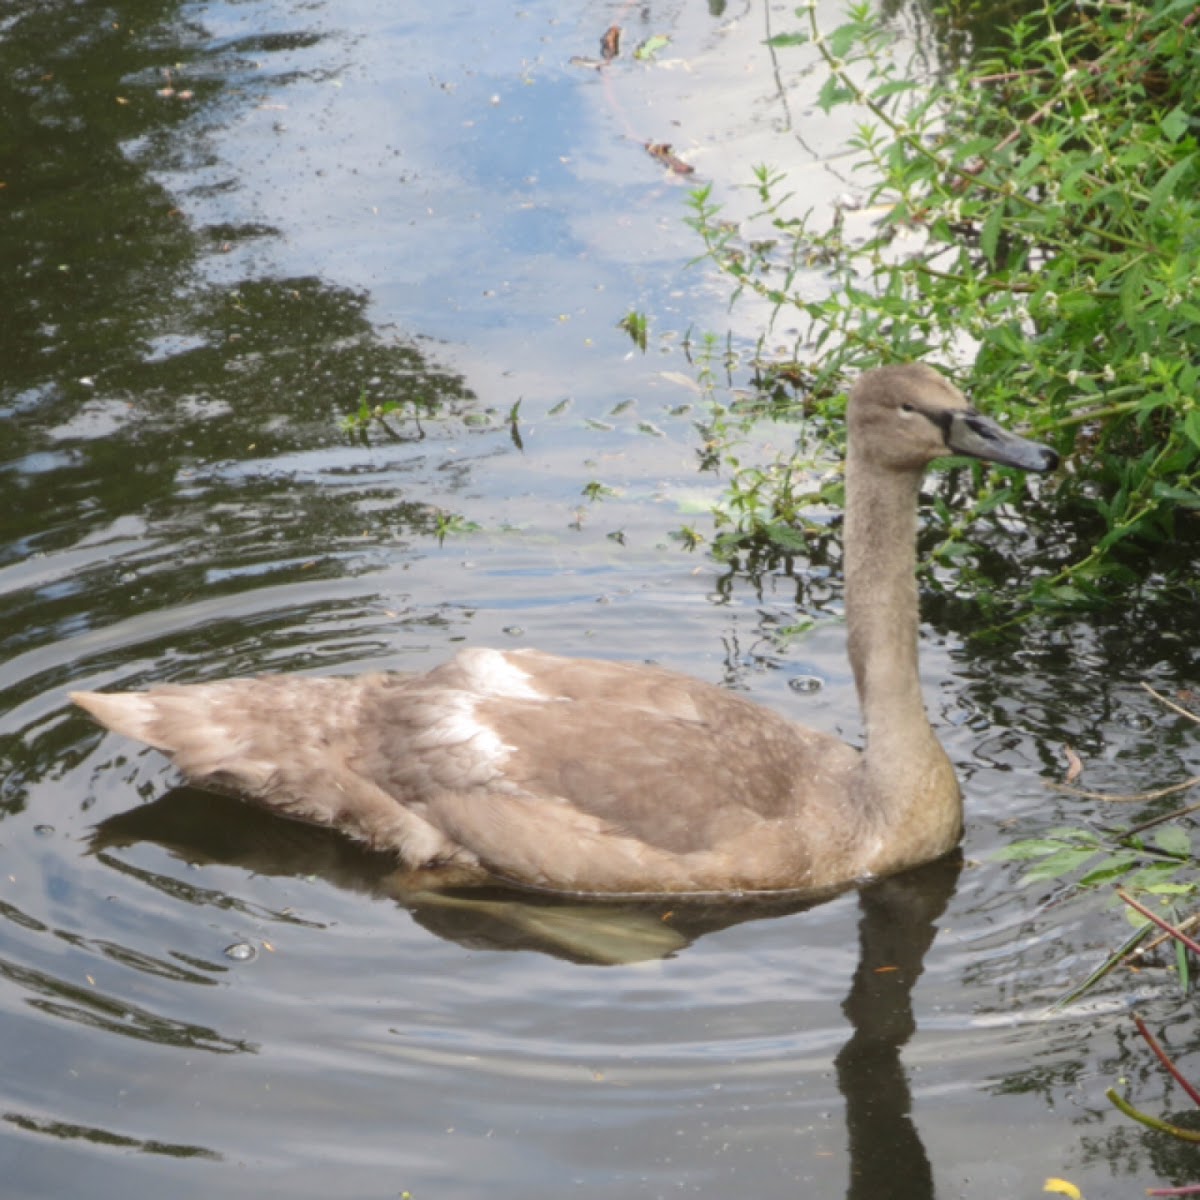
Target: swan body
pixel 580 775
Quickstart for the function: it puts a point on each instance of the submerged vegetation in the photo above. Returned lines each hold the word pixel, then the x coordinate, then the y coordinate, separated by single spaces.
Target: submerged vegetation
pixel 1033 218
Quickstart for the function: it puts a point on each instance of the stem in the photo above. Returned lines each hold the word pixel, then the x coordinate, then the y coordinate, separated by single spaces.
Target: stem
pixel 1178 934
pixel 1161 1055
pixel 1103 969
pixel 1184 1135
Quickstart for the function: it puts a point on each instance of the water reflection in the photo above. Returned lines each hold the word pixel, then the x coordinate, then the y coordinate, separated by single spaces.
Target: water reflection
pixel 66 1131
pixel 201 827
pixel 898 923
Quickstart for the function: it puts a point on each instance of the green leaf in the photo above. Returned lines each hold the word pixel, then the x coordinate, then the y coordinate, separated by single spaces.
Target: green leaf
pixel 1191 425
pixel 1111 868
pixel 1171 839
pixel 892 87
pixel 1165 187
pixel 1028 849
pixel 651 46
pixel 786 538
pixel 781 40
pixel 1175 124
pixel 1057 866
pixel 989 235
pixel 843 39
pixel 1135 918
pixel 833 92
pixel 1179 496
pixel 1131 294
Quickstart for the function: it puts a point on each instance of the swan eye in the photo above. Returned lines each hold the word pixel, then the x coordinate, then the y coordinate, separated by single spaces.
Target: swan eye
pixel 907 408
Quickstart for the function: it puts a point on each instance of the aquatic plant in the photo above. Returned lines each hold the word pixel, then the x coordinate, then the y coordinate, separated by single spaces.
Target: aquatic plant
pixel 1040 228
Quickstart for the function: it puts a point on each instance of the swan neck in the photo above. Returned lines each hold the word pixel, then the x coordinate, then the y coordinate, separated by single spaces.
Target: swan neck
pixel 906 788
pixel 881 599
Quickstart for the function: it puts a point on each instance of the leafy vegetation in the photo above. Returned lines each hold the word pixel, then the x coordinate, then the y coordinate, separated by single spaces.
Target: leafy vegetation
pixel 1146 858
pixel 1040 233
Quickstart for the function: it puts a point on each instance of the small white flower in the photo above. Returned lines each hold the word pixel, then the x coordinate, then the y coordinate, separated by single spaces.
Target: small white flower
pixel 1109 374
pixel 1072 377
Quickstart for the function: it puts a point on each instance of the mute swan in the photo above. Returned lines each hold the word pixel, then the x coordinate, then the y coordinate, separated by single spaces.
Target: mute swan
pixel 605 777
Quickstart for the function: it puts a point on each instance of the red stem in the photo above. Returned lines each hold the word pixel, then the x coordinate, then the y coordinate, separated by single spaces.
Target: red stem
pixel 1194 947
pixel 1161 1055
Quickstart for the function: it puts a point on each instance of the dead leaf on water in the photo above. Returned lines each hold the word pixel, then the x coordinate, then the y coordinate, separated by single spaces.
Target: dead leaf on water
pixel 663 152
pixel 680 378
pixel 610 43
pixel 1074 764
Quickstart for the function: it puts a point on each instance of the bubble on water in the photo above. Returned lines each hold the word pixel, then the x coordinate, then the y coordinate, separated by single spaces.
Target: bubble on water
pixel 241 952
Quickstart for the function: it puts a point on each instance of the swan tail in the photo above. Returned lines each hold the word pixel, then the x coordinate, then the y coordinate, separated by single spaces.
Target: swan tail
pixel 283 742
pixel 215 732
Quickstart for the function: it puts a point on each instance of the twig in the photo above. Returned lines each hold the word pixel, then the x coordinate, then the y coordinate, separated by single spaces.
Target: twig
pixel 1135 798
pixel 1179 812
pixel 1183 712
pixel 1161 1055
pixel 1184 926
pixel 1179 936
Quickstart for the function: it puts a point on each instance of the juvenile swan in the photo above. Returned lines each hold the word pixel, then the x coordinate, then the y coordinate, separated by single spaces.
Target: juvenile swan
pixel 585 776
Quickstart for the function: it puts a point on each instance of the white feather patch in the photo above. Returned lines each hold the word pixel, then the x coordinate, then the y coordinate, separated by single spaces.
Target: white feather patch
pixel 492 673
pixel 457 724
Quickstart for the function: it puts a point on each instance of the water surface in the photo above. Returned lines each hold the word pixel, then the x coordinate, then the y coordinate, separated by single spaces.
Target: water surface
pixel 226 226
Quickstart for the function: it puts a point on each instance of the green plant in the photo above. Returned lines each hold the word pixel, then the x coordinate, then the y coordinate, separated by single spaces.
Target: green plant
pixel 359 423
pixel 635 324
pixel 447 524
pixel 595 490
pixel 1041 233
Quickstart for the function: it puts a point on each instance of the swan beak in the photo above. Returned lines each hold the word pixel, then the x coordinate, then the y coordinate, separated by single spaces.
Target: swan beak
pixel 971 433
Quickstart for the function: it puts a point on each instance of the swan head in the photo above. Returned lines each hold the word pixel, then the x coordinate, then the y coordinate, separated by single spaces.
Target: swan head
pixel 904 417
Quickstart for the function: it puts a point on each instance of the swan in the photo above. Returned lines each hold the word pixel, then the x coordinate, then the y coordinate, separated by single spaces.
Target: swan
pixel 585 776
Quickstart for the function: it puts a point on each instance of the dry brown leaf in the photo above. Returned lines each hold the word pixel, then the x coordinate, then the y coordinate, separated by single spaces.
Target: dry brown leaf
pixel 662 151
pixel 1074 764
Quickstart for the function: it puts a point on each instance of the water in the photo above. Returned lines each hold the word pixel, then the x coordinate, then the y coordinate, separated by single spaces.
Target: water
pixel 438 209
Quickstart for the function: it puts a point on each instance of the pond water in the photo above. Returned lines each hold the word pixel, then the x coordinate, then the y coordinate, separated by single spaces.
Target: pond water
pixel 226 226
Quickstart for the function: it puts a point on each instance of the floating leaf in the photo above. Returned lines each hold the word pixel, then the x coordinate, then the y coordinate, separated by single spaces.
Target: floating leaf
pixel 1063 1187
pixel 663 152
pixel 1074 764
pixel 1057 865
pixel 1171 839
pixel 651 46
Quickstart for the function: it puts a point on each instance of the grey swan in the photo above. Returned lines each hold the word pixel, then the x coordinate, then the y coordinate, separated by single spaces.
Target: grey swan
pixel 582 776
